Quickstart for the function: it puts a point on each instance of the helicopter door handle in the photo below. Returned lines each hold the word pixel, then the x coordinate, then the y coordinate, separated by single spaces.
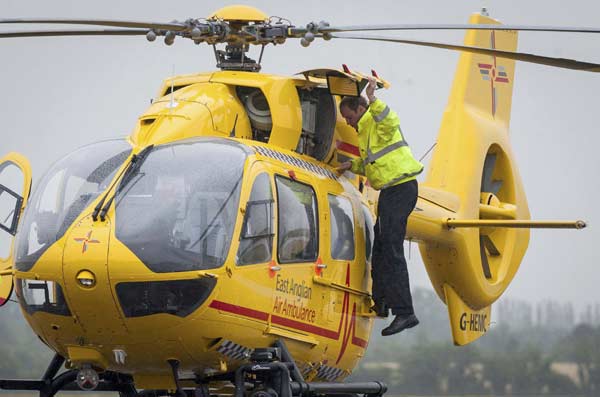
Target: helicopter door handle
pixel 321 266
pixel 275 268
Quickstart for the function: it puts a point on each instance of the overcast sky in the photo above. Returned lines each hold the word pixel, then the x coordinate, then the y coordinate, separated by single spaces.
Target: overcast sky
pixel 61 93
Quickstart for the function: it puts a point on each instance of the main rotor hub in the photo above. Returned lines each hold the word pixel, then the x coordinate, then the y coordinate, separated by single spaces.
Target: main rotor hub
pixel 238 27
pixel 239 13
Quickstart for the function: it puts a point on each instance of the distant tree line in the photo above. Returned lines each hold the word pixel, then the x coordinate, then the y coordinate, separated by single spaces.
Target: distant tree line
pixel 524 352
pixel 523 315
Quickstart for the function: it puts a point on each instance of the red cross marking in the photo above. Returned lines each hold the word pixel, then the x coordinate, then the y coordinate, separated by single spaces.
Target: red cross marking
pixel 86 240
pixel 493 73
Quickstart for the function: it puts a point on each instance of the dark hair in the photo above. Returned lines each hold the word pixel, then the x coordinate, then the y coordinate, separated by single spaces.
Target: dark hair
pixel 353 102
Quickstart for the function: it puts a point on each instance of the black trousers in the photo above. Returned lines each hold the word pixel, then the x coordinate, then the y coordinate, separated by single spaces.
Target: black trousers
pixel 389 272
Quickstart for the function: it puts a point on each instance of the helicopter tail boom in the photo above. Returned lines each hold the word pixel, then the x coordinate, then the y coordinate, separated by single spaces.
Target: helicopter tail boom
pixel 473 164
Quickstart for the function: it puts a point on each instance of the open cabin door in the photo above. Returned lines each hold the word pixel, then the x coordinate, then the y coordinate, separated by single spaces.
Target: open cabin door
pixel 15 185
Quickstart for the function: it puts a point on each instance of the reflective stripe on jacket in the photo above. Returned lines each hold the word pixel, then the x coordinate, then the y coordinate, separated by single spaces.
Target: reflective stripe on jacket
pixel 385 158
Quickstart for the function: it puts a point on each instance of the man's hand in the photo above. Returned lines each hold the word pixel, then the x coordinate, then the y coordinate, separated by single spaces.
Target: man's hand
pixel 343 167
pixel 371 89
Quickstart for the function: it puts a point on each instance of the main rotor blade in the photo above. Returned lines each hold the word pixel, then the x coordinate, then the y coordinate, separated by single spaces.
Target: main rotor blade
pixel 174 26
pixel 358 28
pixel 52 33
pixel 518 56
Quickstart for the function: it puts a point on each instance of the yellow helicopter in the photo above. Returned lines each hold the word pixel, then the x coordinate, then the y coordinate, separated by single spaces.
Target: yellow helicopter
pixel 217 247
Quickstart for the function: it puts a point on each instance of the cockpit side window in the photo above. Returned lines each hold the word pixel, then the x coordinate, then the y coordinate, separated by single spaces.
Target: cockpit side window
pixel 256 238
pixel 63 193
pixel 342 228
pixel 298 227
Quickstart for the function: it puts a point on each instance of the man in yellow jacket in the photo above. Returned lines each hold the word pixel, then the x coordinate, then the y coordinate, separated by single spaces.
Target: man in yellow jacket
pixel 387 162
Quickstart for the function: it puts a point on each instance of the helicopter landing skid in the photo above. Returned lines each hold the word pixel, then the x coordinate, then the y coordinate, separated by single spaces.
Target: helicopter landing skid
pixel 271 372
pixel 50 384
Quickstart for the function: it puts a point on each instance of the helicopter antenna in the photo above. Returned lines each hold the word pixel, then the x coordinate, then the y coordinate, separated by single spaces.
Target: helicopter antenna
pixel 427 152
pixel 172 103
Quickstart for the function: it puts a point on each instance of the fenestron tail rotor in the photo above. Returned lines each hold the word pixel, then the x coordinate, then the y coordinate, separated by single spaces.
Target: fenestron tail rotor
pixel 489 191
pixel 487 183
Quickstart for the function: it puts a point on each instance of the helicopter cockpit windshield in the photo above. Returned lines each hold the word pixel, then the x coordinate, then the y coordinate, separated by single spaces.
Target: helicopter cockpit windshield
pixel 69 187
pixel 177 213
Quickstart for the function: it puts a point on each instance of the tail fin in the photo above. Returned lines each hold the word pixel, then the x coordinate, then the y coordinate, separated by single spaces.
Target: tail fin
pixel 485 83
pixel 473 162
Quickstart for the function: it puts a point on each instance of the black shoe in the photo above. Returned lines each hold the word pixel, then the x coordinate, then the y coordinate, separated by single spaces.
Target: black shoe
pixel 380 308
pixel 399 324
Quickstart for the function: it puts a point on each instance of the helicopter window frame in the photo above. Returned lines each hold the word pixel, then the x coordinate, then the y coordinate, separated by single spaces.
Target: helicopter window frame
pixel 14 215
pixel 368 232
pixel 314 235
pixel 336 223
pixel 257 240
pixel 50 300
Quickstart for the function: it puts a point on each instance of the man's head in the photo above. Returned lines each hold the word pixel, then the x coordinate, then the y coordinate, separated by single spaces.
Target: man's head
pixel 352 109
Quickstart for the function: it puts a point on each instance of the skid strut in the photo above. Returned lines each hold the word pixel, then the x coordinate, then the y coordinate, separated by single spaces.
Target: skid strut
pixel 51 383
pixel 272 372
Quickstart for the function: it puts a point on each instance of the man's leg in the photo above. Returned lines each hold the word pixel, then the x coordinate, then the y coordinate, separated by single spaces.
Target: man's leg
pixel 396 204
pixel 378 274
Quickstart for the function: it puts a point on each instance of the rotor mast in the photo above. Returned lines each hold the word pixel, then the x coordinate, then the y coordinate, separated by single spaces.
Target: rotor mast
pixel 239 30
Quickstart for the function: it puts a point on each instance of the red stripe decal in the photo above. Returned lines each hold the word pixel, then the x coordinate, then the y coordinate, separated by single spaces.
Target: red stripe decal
pixel 356 341
pixel 502 79
pixel 313 329
pixel 286 322
pixel 244 311
pixel 348 148
pixel 359 342
pixel 345 308
pixel 484 65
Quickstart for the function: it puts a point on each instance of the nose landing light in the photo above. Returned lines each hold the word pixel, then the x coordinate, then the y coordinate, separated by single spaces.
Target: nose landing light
pixel 86 279
pixel 87 378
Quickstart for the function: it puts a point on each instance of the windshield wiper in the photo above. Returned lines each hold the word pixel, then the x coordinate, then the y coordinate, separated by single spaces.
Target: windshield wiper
pixel 128 172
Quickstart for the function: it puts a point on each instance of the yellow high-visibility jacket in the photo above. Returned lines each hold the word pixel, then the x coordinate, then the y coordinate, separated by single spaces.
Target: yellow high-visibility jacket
pixel 385 158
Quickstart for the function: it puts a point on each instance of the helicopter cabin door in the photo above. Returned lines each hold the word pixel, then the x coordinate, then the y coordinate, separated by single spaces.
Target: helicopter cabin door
pixel 347 274
pixel 247 294
pixel 15 185
pixel 297 309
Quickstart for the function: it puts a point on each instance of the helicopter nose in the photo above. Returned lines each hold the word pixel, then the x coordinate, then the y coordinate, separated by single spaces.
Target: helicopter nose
pixel 86 280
